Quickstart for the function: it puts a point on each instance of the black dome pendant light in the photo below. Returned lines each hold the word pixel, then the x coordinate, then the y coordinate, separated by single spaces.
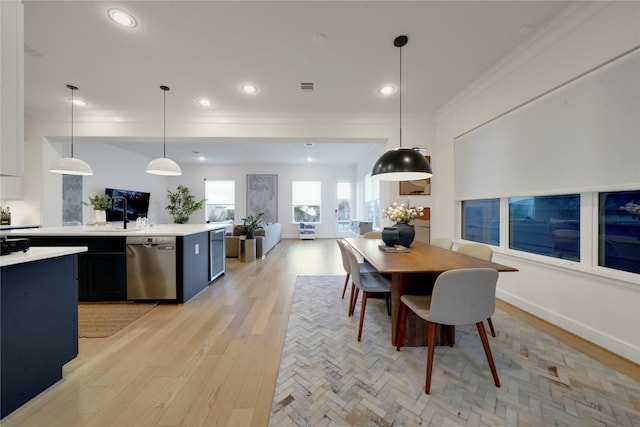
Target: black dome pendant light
pixel 403 163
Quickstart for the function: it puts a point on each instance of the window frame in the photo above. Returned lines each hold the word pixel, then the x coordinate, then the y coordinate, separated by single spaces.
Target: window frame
pixel 207 204
pixel 589 237
pixel 293 206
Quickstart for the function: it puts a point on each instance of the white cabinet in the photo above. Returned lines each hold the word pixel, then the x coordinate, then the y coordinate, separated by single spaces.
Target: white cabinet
pixel 10 188
pixel 307 231
pixel 11 87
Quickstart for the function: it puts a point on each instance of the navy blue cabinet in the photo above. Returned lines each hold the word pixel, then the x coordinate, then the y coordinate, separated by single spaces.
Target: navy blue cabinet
pixel 39 314
pixel 102 271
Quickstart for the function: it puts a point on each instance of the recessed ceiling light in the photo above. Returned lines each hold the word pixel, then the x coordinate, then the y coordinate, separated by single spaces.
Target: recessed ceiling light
pixel 386 90
pixel 121 17
pixel 204 102
pixel 78 102
pixel 309 159
pixel 248 88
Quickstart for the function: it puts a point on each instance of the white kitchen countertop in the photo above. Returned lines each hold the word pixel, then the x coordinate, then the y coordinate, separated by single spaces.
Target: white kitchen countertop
pixel 36 253
pixel 117 230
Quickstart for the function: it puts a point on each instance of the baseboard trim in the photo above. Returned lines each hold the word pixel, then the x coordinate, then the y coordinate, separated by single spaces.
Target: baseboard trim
pixel 606 357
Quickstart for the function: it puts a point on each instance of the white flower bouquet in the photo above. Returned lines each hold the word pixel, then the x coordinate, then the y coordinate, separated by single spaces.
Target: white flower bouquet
pixel 402 212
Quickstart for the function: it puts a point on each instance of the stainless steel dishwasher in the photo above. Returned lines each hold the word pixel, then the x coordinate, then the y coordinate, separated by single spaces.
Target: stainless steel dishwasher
pixel 151 268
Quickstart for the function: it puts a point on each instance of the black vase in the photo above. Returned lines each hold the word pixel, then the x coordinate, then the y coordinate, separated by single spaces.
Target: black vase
pixel 389 236
pixel 406 234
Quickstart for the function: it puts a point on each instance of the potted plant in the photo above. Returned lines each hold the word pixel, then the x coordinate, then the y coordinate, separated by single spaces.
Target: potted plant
pixel 251 223
pixel 182 204
pixel 100 204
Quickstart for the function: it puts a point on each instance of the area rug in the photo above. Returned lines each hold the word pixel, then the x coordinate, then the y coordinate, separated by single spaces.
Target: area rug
pixel 103 319
pixel 327 378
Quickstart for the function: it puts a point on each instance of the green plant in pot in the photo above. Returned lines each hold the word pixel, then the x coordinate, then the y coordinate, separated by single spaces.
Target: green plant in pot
pixel 100 203
pixel 252 223
pixel 182 204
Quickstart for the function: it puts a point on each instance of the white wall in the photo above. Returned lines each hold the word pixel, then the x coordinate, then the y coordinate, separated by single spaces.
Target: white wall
pixel 601 309
pixel 117 168
pixel 194 176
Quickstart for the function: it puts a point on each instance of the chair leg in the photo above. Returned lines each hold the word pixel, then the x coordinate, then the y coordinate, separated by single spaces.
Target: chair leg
pixel 352 300
pixel 431 340
pixel 355 293
pixel 487 351
pixel 346 282
pixel 364 306
pixel 402 319
pixel 450 331
pixel 493 331
pixel 353 287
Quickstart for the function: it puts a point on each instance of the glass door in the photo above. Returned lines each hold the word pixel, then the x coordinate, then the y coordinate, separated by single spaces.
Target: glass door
pixel 343 212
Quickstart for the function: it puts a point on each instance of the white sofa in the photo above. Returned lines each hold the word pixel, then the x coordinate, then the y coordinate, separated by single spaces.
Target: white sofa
pixel 266 238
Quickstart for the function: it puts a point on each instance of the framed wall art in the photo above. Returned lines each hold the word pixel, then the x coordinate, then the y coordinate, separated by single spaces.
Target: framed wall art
pixel 262 196
pixel 418 187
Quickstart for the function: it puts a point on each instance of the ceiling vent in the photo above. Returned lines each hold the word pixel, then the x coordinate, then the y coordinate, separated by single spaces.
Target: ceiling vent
pixel 306 87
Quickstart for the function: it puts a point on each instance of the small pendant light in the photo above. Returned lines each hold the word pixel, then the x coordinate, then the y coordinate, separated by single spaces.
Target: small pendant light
pixel 71 165
pixel 401 164
pixel 163 165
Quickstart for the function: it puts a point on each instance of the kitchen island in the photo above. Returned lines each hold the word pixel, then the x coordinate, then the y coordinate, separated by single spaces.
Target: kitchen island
pixel 102 271
pixel 39 315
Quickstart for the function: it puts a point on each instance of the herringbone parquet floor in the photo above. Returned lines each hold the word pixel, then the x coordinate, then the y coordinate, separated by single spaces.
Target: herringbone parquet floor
pixel 327 378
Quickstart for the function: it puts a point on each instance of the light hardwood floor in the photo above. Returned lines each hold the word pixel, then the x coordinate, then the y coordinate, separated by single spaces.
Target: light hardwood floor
pixel 210 362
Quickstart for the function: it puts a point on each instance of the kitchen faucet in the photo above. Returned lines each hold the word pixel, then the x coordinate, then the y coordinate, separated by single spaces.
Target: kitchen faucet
pixel 124 210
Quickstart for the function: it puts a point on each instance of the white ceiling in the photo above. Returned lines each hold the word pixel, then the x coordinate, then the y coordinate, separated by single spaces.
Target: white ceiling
pixel 209 48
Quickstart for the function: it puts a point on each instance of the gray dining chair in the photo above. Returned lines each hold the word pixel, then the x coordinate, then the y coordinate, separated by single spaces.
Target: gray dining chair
pixel 442 242
pixel 460 297
pixel 484 252
pixel 368 283
pixel 364 267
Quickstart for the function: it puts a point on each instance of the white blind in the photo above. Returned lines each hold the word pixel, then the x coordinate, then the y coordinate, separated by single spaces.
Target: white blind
pixel 306 193
pixel 220 192
pixel 582 136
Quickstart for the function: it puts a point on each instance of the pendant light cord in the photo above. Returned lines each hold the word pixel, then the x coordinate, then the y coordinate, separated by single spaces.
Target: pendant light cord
pixel 164 120
pixel 71 123
pixel 400 92
pixel 399 42
pixel 72 88
pixel 164 123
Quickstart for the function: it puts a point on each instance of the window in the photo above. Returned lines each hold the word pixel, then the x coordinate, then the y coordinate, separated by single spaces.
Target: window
pixel 546 225
pixel 344 206
pixel 619 230
pixel 372 200
pixel 220 201
pixel 481 221
pixel 306 201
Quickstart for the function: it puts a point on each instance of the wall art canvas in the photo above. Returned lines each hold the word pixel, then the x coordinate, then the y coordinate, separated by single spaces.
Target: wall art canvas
pixel 262 196
pixel 417 187
pixel 72 199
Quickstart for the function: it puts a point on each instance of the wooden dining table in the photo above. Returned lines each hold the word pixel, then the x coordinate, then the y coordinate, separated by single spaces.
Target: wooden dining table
pixel 415 272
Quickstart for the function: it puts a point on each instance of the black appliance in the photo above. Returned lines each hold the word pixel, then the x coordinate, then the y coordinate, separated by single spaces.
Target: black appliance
pixel 10 246
pixel 137 204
